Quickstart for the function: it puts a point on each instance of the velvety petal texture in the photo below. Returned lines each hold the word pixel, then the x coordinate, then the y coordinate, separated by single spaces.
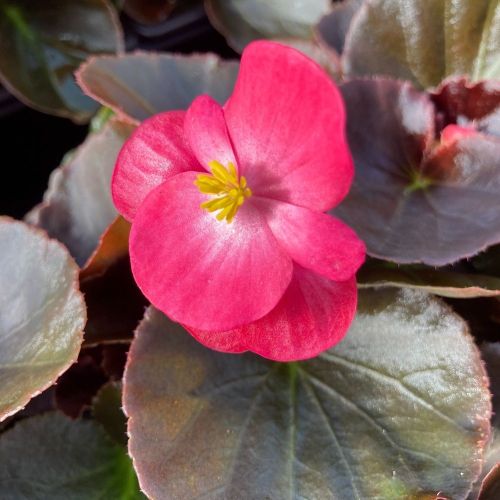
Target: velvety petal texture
pixel 286 120
pixel 201 271
pixel 156 150
pixel 242 254
pixel 313 315
pixel 314 240
pixel 205 129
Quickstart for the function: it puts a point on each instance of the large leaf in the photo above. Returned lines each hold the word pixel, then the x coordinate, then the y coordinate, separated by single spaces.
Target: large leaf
pixel 139 85
pixel 42 313
pixel 400 407
pixel 77 206
pixel 425 42
pixel 41 44
pixel 444 282
pixel 53 457
pixel 242 21
pixel 413 199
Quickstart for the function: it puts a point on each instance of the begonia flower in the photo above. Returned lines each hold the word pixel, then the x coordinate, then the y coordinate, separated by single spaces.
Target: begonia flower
pixel 229 235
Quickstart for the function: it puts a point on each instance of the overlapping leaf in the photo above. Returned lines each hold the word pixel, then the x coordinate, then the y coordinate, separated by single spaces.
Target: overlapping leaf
pixel 351 423
pixel 139 85
pixel 42 313
pixel 77 206
pixel 425 42
pixel 414 200
pixel 40 47
pixel 51 456
pixel 242 21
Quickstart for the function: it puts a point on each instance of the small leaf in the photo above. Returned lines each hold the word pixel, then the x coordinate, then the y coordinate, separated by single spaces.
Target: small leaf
pixel 41 46
pixel 113 246
pixel 140 85
pixel 469 104
pixel 107 410
pixel 77 206
pixel 425 42
pixel 242 21
pixel 415 200
pixel 53 457
pixel 359 421
pixel 444 282
pixel 42 313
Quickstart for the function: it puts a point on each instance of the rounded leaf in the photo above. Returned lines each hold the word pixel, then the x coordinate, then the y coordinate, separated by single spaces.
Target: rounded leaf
pixel 42 313
pixel 413 200
pixel 40 48
pixel 359 421
pixel 140 85
pixel 51 456
pixel 77 206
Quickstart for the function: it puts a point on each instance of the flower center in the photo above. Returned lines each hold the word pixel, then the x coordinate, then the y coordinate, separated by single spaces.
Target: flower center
pixel 229 189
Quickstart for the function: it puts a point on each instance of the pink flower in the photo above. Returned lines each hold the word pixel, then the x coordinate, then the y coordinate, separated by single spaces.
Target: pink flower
pixel 228 232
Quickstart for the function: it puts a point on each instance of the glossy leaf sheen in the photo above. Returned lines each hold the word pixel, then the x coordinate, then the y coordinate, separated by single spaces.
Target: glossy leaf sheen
pixel 425 42
pixel 41 47
pixel 391 132
pixel 51 456
pixel 139 85
pixel 352 423
pixel 77 206
pixel 242 21
pixel 42 313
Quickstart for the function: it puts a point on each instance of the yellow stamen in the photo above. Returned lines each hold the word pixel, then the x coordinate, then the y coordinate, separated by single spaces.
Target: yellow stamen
pixel 231 190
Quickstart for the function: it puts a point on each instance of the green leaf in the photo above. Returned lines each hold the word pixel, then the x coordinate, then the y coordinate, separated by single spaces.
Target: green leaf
pixel 77 207
pixel 42 45
pixel 53 457
pixel 140 85
pixel 400 407
pixel 443 282
pixel 425 42
pixel 107 410
pixel 42 313
pixel 242 21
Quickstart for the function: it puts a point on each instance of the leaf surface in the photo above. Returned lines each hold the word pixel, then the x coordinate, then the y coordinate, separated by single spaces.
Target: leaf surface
pixel 359 421
pixel 42 313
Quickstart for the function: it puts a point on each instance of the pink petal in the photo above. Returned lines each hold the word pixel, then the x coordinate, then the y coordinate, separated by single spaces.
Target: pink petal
pixel 452 133
pixel 315 240
pixel 201 271
pixel 155 151
pixel 286 120
pixel 206 131
pixel 313 315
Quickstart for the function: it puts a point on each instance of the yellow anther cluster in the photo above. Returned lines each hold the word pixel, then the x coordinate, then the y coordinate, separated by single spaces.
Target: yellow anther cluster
pixel 229 189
